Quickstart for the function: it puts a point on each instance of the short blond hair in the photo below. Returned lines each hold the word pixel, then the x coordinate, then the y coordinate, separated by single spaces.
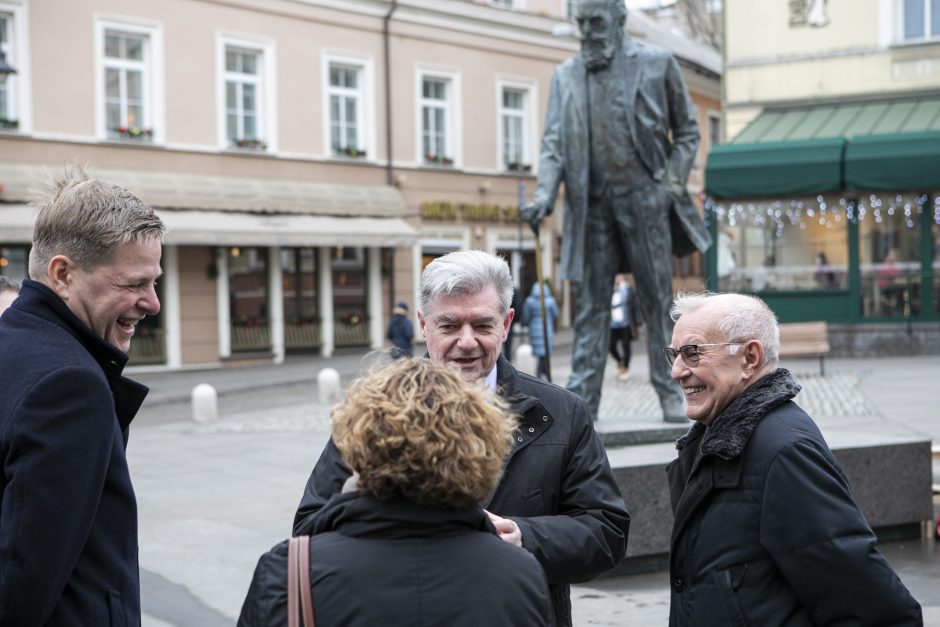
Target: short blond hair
pixel 416 430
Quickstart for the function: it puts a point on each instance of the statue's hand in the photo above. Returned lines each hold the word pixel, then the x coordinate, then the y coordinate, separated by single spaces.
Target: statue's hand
pixel 534 213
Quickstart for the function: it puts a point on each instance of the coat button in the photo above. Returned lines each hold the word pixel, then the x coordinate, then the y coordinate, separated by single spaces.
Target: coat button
pixel 531 429
pixel 544 418
pixel 519 438
pixel 677 584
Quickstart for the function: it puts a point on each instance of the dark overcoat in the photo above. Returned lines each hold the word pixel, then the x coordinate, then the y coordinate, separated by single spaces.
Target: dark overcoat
pixel 766 531
pixel 652 100
pixel 68 515
pixel 397 564
pixel 557 486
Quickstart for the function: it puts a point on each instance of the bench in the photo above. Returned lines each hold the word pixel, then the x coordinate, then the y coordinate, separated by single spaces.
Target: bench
pixel 805 339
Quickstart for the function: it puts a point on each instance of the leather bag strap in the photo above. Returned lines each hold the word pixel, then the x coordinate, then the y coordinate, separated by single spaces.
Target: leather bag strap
pixel 299 596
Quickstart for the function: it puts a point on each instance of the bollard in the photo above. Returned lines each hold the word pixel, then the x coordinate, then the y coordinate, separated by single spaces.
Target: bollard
pixel 328 385
pixel 205 403
pixel 524 360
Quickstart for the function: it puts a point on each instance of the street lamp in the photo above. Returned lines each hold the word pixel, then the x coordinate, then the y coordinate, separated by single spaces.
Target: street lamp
pixel 5 70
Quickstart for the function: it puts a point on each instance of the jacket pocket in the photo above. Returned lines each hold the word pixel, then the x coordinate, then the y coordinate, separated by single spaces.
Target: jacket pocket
pixel 727 582
pixel 116 609
pixel 534 502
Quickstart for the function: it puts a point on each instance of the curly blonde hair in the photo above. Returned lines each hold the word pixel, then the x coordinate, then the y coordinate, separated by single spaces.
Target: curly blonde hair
pixel 417 430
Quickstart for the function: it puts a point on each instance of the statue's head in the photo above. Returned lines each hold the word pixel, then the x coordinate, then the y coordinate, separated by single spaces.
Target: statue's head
pixel 601 25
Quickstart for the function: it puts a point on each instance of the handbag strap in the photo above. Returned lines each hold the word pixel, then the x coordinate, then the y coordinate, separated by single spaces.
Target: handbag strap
pixel 299 596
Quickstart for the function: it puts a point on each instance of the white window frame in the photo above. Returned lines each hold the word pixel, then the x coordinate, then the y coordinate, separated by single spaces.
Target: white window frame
pixel 18 86
pixel 899 25
pixel 366 100
pixel 153 78
pixel 267 80
pixel 530 87
pixel 565 13
pixel 453 136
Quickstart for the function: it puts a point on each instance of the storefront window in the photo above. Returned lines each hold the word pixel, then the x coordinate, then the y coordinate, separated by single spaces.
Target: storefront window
pixel 797 245
pixel 350 296
pixel 889 255
pixel 301 314
pixel 13 262
pixel 248 299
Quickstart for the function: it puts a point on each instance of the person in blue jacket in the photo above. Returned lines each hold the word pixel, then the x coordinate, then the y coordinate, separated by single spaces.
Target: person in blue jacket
pixel 68 514
pixel 532 316
pixel 400 332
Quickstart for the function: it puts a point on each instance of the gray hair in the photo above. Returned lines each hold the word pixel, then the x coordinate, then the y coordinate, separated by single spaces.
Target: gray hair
pixel 745 318
pixel 87 220
pixel 465 272
pixel 8 285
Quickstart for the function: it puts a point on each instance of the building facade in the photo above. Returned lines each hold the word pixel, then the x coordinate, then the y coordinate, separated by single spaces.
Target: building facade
pixel 825 200
pixel 308 156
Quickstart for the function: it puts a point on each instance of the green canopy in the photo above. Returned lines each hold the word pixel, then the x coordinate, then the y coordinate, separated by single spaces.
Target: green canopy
pixel 879 145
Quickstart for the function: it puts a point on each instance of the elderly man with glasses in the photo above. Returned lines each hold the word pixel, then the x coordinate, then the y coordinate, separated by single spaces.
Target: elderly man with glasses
pixel 766 531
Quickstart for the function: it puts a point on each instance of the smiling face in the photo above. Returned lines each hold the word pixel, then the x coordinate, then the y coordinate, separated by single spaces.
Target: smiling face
pixel 466 331
pixel 111 299
pixel 719 377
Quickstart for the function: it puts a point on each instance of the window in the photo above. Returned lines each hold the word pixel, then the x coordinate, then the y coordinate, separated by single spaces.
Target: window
pixel 242 103
pixel 246 94
pixel 438 98
pixel 796 245
pixel 921 19
pixel 570 6
pixel 15 104
pixel 348 99
pixel 126 80
pixel 514 129
pixel 8 117
pixel 502 3
pixel 129 80
pixel 714 130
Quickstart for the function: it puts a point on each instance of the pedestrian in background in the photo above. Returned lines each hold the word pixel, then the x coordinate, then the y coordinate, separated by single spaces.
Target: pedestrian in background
pixel 557 497
pixel 516 322
pixel 68 515
pixel 624 322
pixel 9 290
pixel 406 542
pixel 400 331
pixel 765 531
pixel 532 316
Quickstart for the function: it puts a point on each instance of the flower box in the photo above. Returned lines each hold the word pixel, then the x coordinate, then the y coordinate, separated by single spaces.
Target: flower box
pixel 350 151
pixel 518 167
pixel 438 160
pixel 249 144
pixel 133 132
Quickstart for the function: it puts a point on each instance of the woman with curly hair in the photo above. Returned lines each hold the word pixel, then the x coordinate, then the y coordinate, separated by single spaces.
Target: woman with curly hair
pixel 406 542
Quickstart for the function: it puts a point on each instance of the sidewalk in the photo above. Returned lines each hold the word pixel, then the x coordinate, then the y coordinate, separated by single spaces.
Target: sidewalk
pixel 212 498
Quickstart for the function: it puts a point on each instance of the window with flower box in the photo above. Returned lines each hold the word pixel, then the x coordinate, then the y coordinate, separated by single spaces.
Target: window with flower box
pixel 438 111
pixel 514 131
pixel 127 85
pixel 346 110
pixel 243 103
pixel 9 120
pixel 920 20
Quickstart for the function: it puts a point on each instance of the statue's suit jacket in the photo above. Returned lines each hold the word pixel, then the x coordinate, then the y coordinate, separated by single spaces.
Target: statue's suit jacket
pixel 653 101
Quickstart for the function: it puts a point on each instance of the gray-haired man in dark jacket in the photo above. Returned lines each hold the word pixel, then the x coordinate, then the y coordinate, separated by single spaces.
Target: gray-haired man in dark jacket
pixel 557 497
pixel 766 531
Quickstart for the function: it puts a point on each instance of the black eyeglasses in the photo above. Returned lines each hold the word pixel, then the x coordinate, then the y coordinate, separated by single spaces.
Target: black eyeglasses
pixel 690 353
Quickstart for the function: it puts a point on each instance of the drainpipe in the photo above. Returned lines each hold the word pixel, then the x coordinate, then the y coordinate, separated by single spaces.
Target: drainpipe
pixel 388 93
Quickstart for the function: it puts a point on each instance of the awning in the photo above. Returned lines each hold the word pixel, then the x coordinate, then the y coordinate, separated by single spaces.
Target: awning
pixel 879 145
pixel 217 228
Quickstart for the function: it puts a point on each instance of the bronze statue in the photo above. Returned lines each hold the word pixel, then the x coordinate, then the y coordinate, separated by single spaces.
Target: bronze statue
pixel 621 133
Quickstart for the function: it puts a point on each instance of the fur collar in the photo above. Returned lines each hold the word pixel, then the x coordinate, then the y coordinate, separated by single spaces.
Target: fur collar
pixel 727 436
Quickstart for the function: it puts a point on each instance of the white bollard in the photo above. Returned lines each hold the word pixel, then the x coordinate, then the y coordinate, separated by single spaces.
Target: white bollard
pixel 328 385
pixel 205 403
pixel 524 360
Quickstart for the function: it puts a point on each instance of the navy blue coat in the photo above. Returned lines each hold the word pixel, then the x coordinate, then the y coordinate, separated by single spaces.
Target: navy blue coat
pixel 395 563
pixel 68 515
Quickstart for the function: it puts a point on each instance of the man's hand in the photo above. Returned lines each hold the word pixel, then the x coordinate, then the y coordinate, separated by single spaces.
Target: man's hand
pixel 533 213
pixel 507 529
